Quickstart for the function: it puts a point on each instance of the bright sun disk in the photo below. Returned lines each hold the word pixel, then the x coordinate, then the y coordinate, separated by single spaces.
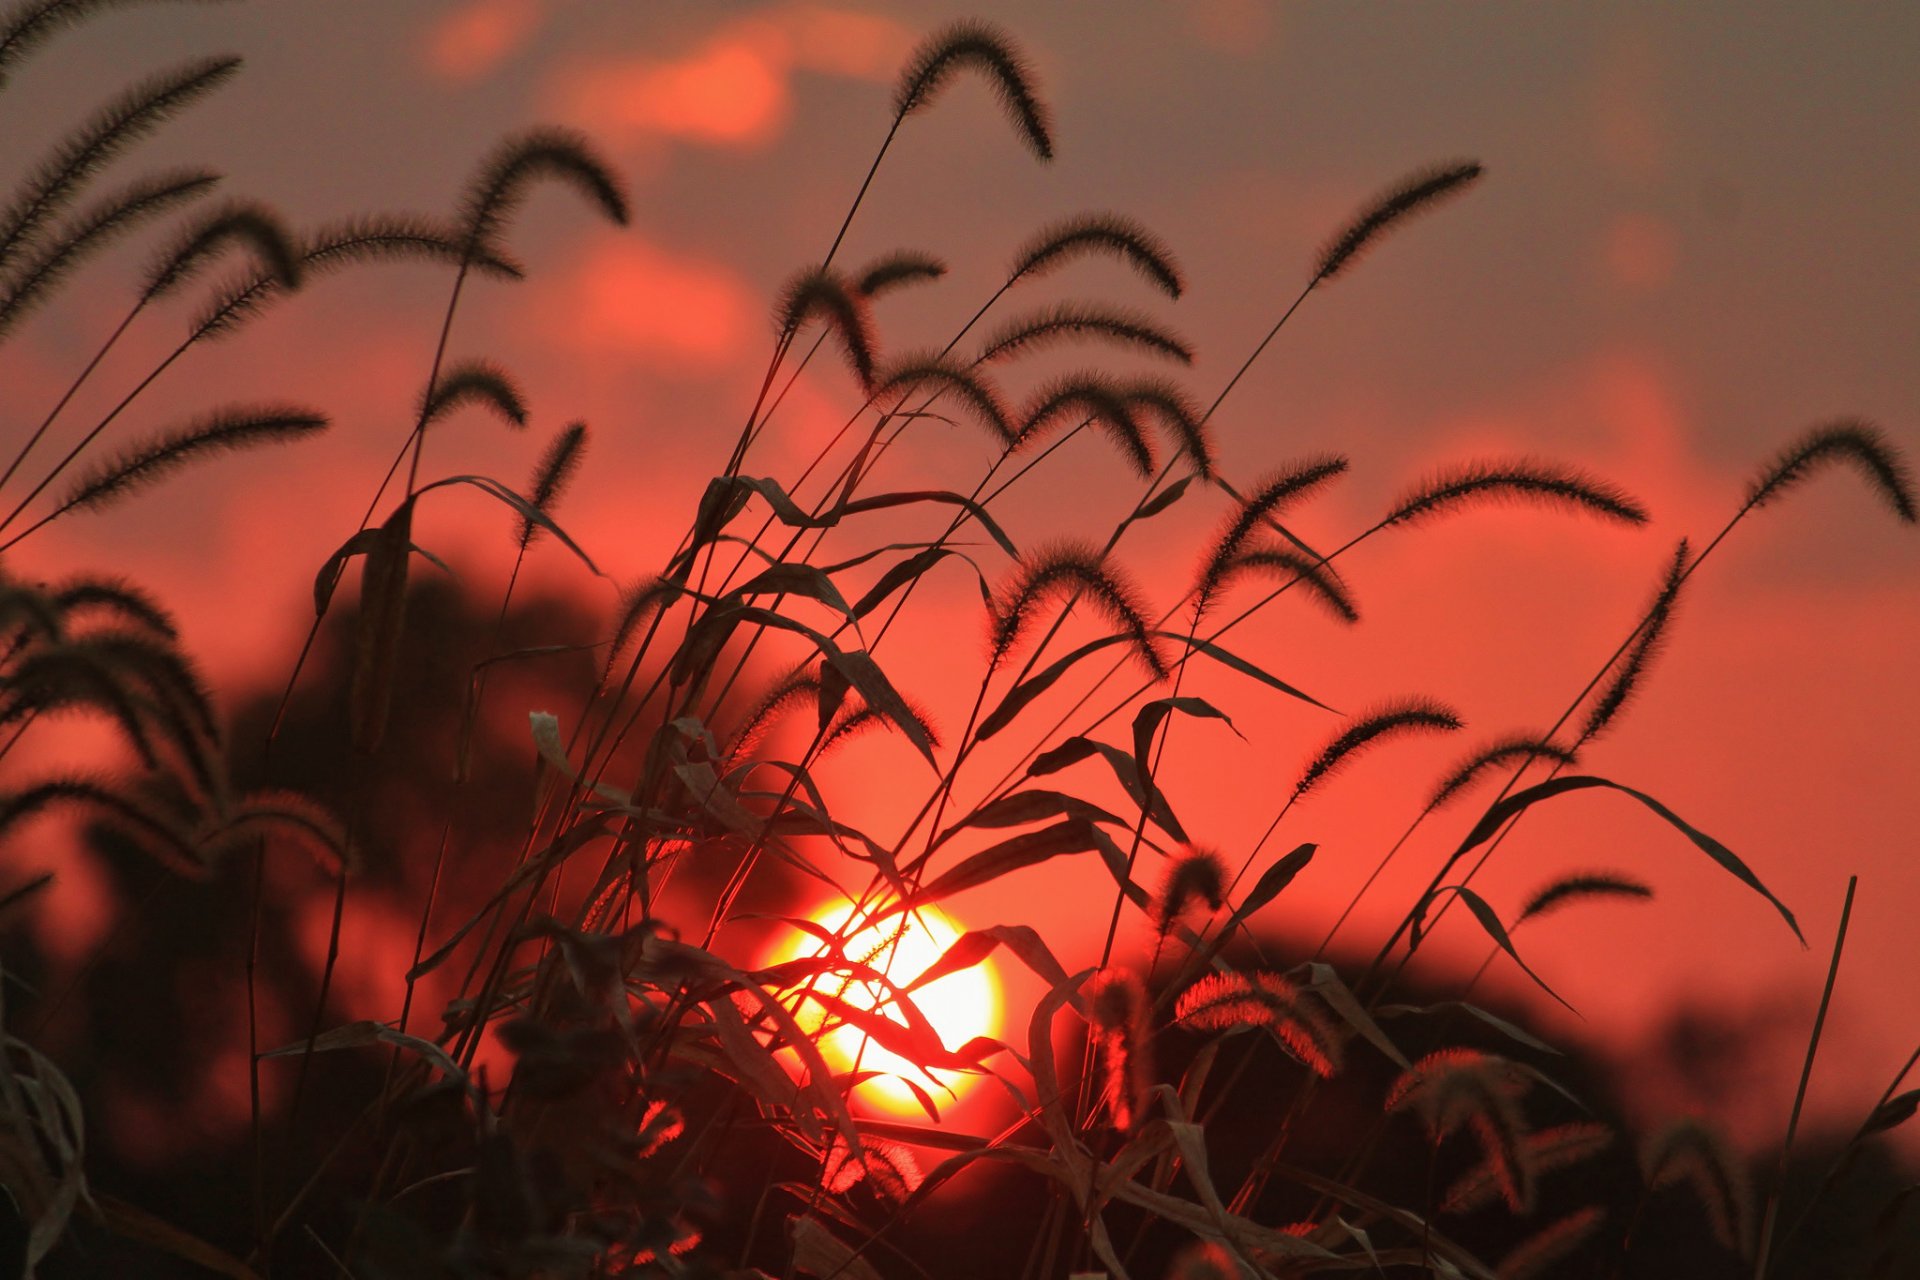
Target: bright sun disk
pixel 960 1005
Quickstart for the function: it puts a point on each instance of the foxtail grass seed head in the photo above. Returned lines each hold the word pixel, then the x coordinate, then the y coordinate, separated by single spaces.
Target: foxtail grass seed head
pixel 1541 1254
pixel 1624 677
pixel 1853 442
pixel 222 431
pixel 1419 192
pixel 1693 1154
pixel 53 184
pixel 1514 750
pixel 243 224
pixel 475 382
pixel 896 271
pixel 506 178
pixel 1525 480
pixel 551 476
pixel 984 48
pixel 1197 877
pixel 1107 234
pixel 1270 496
pixel 1235 1001
pixel 1395 720
pixel 980 396
pixel 52 258
pixel 1083 571
pixel 1576 888
pixel 1117 1005
pixel 1081 322
pixel 1090 397
pixel 821 293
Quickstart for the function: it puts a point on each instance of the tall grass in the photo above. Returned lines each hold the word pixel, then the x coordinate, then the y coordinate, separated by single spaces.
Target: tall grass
pixel 608 1051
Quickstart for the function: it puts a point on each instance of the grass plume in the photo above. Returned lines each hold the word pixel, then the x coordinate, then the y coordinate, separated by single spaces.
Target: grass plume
pixel 1104 234
pixel 1070 567
pixel 1395 720
pixel 1419 192
pixel 93 230
pixel 1526 480
pixel 554 472
pixel 243 223
pixel 221 431
pixel 1850 441
pixel 981 47
pixel 1580 887
pixel 896 271
pixel 1077 322
pixel 1624 676
pixel 1514 750
pixel 821 293
pixel 118 125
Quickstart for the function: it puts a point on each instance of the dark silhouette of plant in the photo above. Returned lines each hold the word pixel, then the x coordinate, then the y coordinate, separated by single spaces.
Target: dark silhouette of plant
pixel 589 1072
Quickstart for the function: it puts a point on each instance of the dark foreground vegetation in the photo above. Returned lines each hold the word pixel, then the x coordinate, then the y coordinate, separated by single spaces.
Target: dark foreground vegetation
pixel 569 813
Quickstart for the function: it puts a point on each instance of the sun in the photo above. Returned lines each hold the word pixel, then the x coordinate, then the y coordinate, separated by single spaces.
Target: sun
pixel 960 1005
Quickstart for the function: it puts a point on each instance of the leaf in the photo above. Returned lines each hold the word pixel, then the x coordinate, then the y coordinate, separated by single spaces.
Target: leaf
pixel 527 511
pixel 1323 979
pixel 818 1252
pixel 1149 717
pixel 1147 796
pixel 1490 921
pixel 141 1227
pixel 1499 1024
pixel 1159 502
pixel 1244 667
pixel 358 1035
pixel 969 949
pixel 1272 881
pixel 1070 835
pixel 899 575
pixel 383 607
pixel 1032 805
pixel 1892 1113
pixel 792 579
pixel 789 512
pixel 1027 690
pixel 1498 814
pixel 328 579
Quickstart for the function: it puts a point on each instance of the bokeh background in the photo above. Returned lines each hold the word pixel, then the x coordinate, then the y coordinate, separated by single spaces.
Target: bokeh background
pixel 1695 240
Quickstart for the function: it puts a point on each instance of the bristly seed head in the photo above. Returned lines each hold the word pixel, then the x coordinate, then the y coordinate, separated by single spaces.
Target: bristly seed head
pixel 1196 876
pixel 1520 748
pixel 1105 233
pixel 1853 441
pixel 1415 715
pixel 1633 664
pixel 1522 480
pixel 1117 1006
pixel 1076 567
pixel 1588 884
pixel 985 48
pixel 1421 191
pixel 823 293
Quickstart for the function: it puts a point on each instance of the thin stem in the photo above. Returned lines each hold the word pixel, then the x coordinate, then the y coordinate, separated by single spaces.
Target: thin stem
pixel 1800 1093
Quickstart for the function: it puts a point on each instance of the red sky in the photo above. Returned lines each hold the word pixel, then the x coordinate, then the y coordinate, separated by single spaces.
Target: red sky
pixel 1694 241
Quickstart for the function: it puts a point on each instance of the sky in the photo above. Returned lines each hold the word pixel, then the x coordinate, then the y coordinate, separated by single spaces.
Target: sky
pixel 1693 242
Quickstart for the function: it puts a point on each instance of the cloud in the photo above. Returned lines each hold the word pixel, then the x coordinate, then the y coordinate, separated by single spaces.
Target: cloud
pixel 478 36
pixel 629 297
pixel 734 89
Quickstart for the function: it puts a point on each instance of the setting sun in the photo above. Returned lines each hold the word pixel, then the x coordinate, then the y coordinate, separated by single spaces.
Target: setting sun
pixel 960 1005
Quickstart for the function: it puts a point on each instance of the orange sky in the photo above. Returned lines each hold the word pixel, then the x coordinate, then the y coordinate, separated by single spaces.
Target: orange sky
pixel 1694 240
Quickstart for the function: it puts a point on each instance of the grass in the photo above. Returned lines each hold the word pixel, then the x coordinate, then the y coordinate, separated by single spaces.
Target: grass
pixel 607 1056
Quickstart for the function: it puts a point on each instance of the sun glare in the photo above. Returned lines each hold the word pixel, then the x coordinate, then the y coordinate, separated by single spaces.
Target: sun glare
pixel 960 1005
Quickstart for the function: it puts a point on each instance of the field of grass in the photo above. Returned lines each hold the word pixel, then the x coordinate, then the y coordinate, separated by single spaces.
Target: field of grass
pixel 588 828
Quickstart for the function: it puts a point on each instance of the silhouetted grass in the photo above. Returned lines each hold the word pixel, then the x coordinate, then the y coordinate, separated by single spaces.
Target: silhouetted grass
pixel 608 1085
